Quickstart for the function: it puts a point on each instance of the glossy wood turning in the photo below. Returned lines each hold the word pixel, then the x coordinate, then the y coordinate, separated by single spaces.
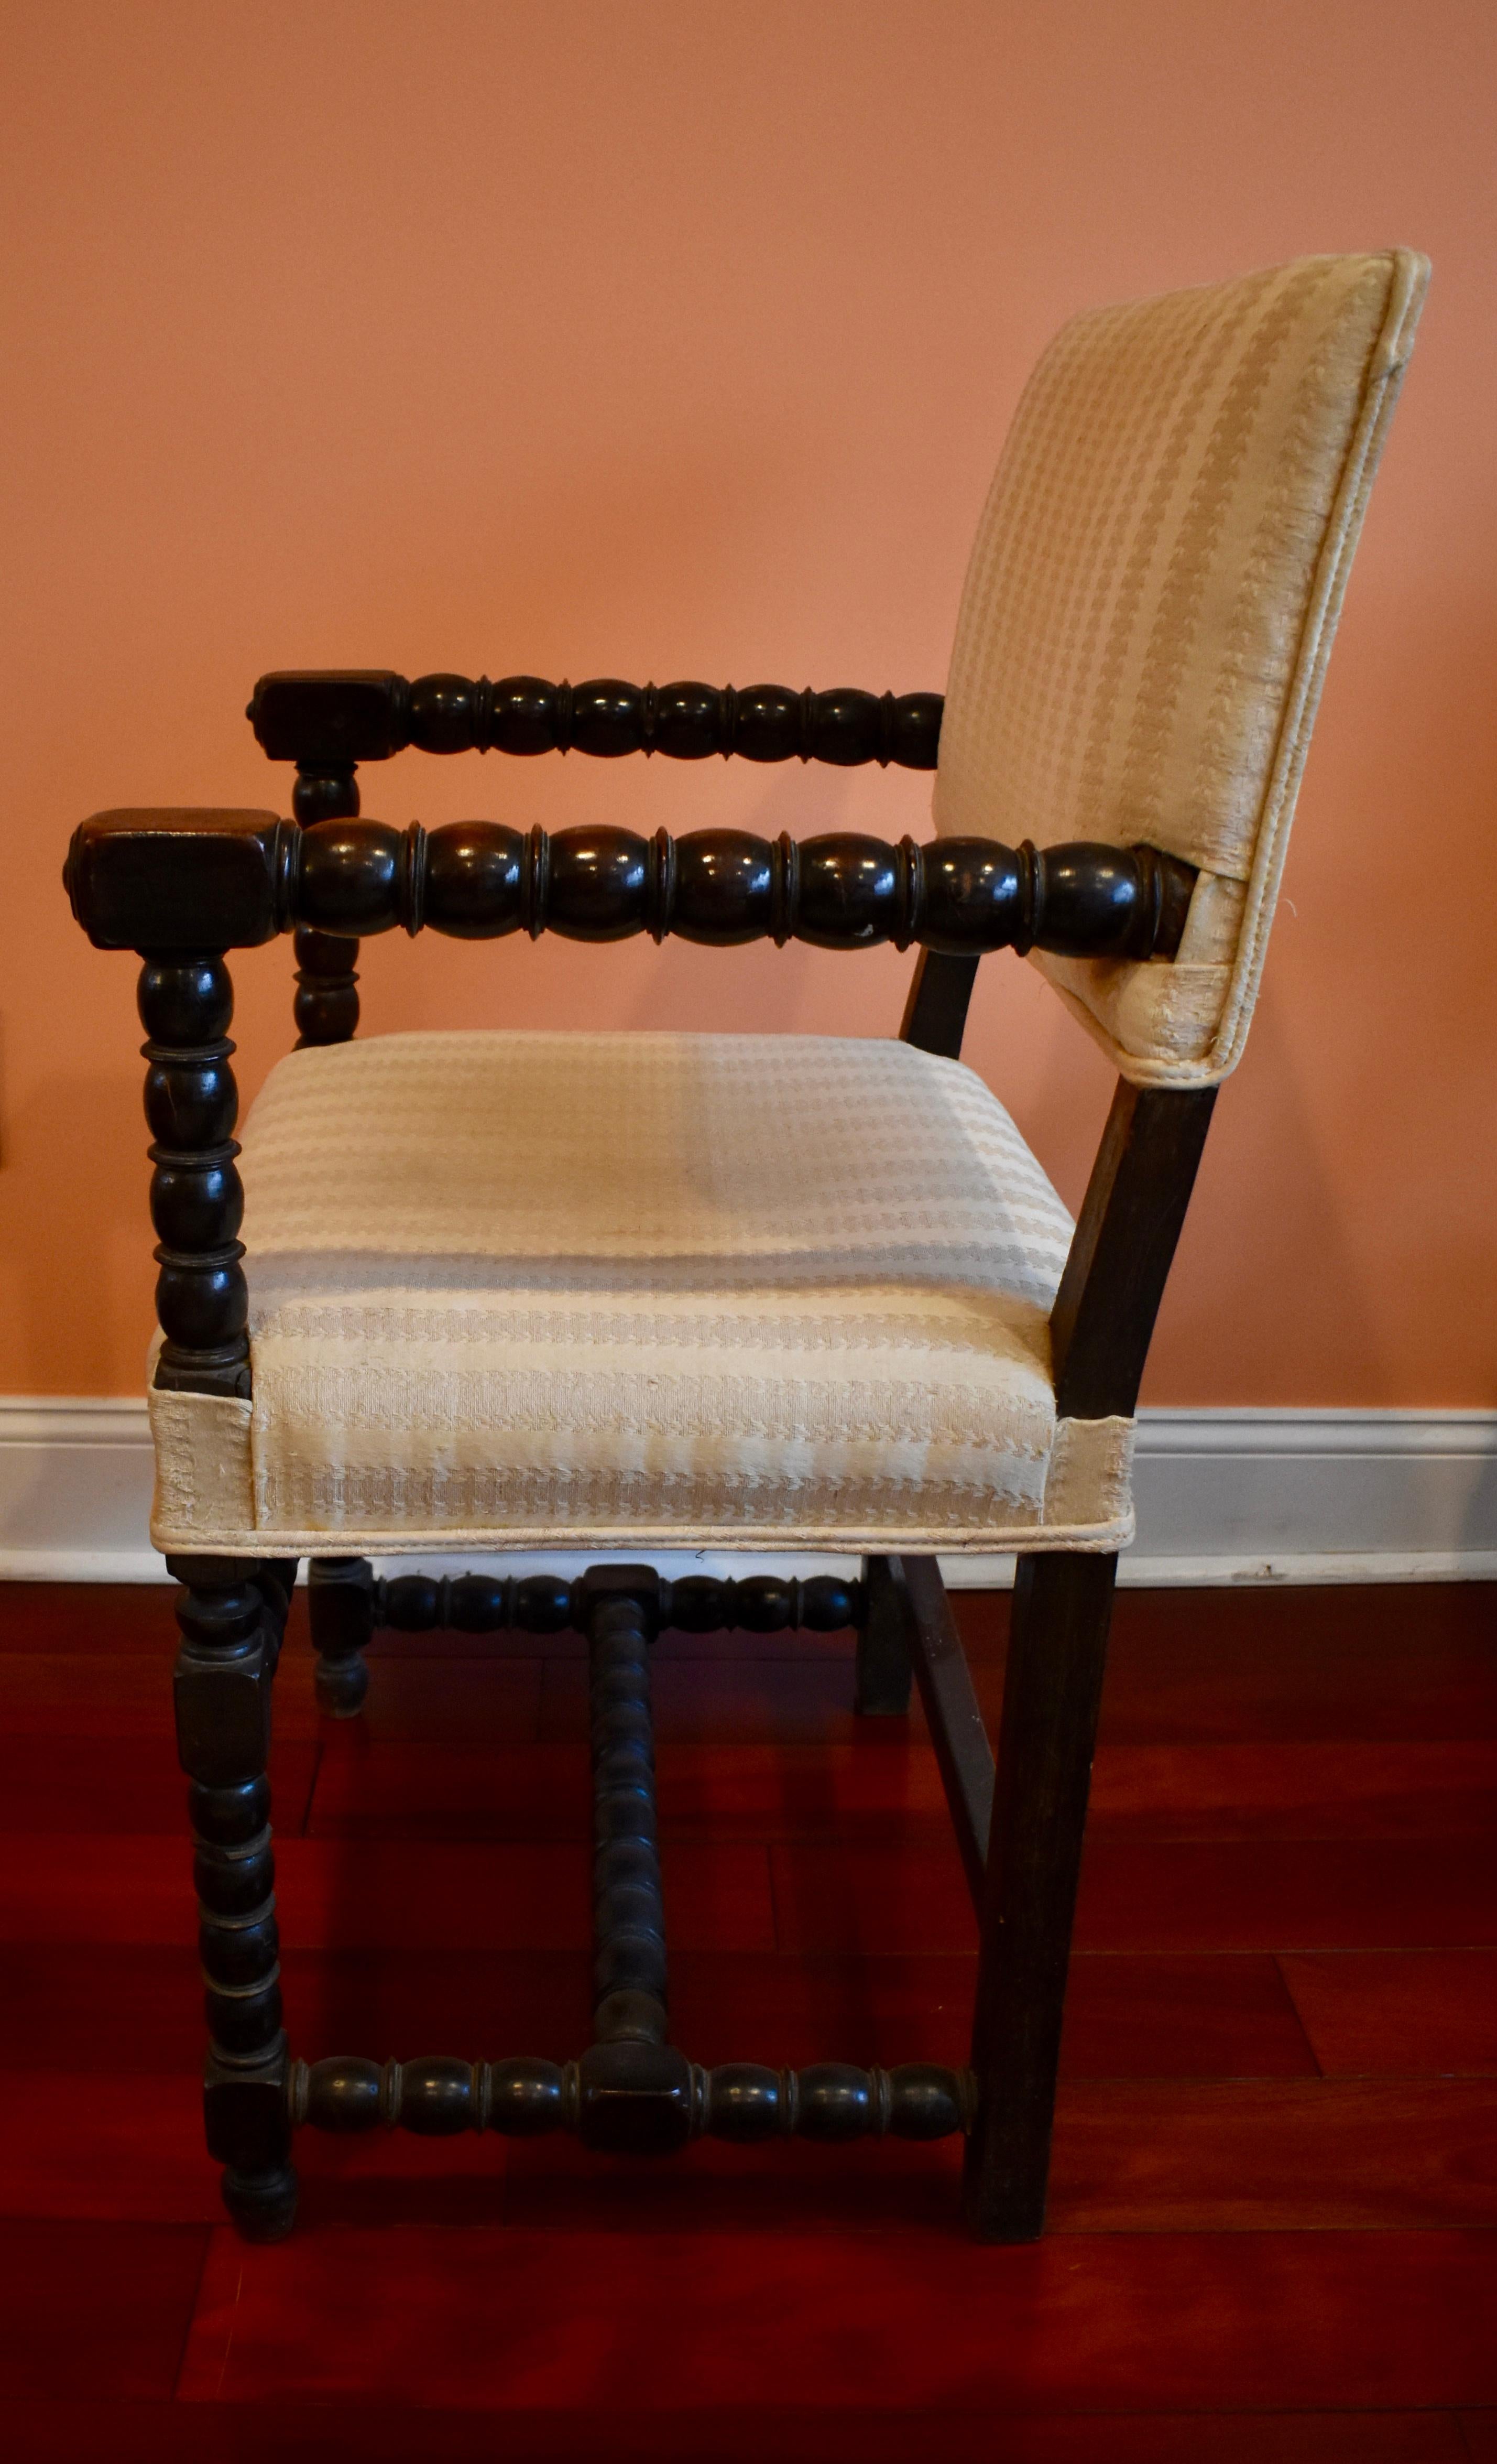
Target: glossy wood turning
pixel 632 2092
pixel 559 1603
pixel 326 1006
pixel 232 1615
pixel 233 878
pixel 525 2098
pixel 336 717
pixel 197 1202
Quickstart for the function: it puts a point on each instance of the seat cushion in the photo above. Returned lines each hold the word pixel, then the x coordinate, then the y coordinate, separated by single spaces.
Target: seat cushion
pixel 600 1290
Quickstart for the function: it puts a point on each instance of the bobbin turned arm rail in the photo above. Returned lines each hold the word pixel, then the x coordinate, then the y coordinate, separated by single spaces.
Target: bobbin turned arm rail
pixel 213 881
pixel 335 718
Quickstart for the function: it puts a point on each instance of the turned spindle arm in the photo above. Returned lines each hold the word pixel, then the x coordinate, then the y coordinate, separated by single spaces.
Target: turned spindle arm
pixel 333 718
pixel 225 880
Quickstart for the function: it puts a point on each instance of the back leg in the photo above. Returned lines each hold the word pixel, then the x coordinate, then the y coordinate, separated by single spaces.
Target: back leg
pixel 340 1603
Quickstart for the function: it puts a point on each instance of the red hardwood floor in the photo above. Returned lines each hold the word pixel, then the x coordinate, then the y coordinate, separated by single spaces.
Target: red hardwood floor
pixel 1275 2176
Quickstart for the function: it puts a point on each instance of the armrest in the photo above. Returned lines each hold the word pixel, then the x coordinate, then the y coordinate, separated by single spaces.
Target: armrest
pixel 227 880
pixel 335 716
pixel 187 880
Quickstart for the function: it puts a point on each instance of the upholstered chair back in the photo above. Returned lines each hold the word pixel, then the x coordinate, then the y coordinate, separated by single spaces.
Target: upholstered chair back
pixel 1149 608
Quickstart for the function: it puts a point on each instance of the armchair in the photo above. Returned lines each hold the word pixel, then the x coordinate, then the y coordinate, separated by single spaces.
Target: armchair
pixel 497 1292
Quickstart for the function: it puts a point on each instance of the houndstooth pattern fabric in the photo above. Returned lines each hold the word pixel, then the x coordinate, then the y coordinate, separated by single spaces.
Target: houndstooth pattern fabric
pixel 594 1289
pixel 1149 608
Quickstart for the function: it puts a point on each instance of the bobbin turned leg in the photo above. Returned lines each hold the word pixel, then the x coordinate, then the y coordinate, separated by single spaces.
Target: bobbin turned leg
pixel 340 1602
pixel 326 1006
pixel 223 1703
pixel 883 1672
pixel 1062 1608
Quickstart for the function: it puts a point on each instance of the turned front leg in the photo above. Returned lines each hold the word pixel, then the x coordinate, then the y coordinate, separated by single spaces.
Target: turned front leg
pixel 223 1706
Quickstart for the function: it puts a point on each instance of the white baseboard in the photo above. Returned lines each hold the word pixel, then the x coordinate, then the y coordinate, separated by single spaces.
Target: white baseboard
pixel 1225 1496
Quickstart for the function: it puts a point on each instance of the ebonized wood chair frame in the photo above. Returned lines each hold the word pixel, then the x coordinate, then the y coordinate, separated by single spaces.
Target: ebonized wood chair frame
pixel 181 889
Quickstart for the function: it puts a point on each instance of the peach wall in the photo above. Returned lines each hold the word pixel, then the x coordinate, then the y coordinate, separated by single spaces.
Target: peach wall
pixel 681 339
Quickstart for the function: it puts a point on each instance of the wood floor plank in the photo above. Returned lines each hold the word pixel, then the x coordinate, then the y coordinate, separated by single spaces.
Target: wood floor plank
pixel 1256 2156
pixel 888 1788
pixel 122 1618
pixel 94 2309
pixel 1186 1896
pixel 123 1697
pixel 549 2318
pixel 456 1702
pixel 1274 2155
pixel 1339 1662
pixel 111 2007
pixel 866 1788
pixel 1288 1790
pixel 1406 2010
pixel 132 2151
pixel 1288 1895
pixel 102 1785
pixel 396 1894
pixel 1191 2017
pixel 319 2434
pixel 1292 1870
pixel 1344 1661
pixel 749 1702
pixel 876 1784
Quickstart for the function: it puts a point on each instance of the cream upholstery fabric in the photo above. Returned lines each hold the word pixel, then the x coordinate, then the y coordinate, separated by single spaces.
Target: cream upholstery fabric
pixel 596 1289
pixel 1150 604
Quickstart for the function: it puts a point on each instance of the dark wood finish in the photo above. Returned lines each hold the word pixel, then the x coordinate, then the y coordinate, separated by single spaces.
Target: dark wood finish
pixel 1124 1243
pixel 629 1973
pixel 222 879
pixel 632 2092
pixel 554 1605
pixel 632 2097
pixel 1053 1691
pixel 340 1608
pixel 336 717
pixel 183 889
pixel 231 1632
pixel 940 995
pixel 883 1672
pixel 197 1202
pixel 1100 1329
pixel 211 880
pixel 326 1006
pixel 953 1714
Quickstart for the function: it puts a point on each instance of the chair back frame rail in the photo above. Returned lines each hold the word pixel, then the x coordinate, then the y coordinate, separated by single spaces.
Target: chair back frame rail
pixel 181 889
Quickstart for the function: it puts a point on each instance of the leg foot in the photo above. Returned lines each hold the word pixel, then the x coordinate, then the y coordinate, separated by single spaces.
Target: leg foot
pixel 261 2206
pixel 340 1685
pixel 341 1600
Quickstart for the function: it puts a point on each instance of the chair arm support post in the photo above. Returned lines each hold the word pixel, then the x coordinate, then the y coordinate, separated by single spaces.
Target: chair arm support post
pixel 940 994
pixel 1102 1321
pixel 191 1105
pixel 227 880
pixel 326 1005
